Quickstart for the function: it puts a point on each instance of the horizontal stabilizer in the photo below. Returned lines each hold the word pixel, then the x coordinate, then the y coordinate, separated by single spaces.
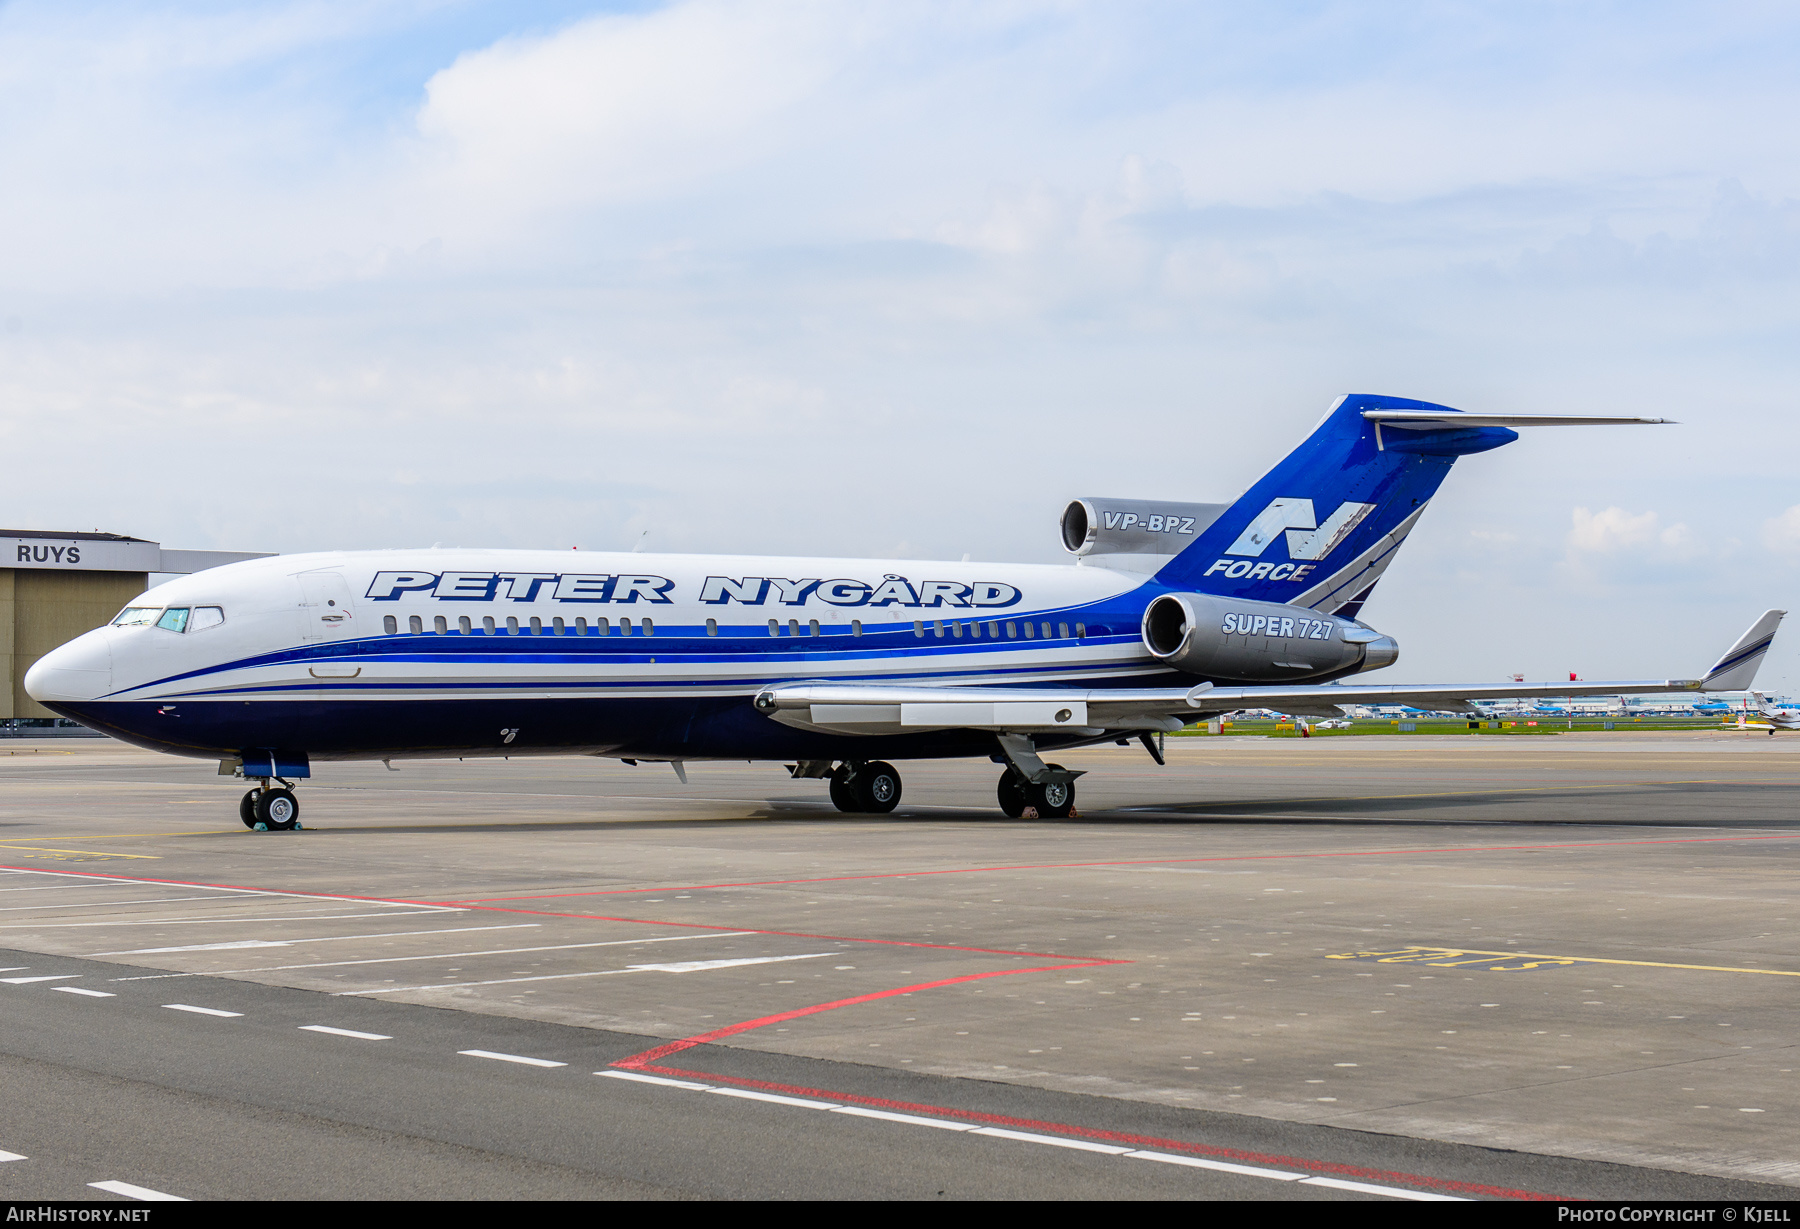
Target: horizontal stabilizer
pixel 1737 669
pixel 1439 420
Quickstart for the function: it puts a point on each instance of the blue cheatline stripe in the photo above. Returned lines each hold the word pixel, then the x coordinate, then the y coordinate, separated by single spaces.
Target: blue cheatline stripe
pixel 1066 675
pixel 1760 647
pixel 637 654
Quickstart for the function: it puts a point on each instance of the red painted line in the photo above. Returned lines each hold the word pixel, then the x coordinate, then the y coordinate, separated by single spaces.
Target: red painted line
pixel 642 1062
pixel 230 887
pixel 1051 866
pixel 637 1061
pixel 585 917
pixel 804 934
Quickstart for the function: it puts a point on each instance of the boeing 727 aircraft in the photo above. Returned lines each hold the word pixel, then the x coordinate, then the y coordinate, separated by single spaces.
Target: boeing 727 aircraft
pixel 1168 613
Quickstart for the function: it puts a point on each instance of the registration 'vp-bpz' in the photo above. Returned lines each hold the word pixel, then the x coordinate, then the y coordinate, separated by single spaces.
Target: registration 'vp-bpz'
pixel 589 587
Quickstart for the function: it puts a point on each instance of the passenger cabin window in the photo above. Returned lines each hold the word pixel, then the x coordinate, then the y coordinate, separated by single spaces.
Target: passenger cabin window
pixel 205 617
pixel 137 616
pixel 390 624
pixel 174 619
pixel 712 627
pixel 856 627
pixel 416 625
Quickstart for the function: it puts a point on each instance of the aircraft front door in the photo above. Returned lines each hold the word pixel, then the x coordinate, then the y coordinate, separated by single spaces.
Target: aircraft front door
pixel 326 610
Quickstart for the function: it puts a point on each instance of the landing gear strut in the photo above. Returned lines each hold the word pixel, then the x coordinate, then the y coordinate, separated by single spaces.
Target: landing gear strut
pixel 270 809
pixel 872 788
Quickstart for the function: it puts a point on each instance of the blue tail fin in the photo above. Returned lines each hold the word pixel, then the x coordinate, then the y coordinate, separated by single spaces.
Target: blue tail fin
pixel 1320 528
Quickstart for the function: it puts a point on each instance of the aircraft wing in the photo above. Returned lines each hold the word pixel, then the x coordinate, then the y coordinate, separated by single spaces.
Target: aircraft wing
pixel 855 708
pixel 848 708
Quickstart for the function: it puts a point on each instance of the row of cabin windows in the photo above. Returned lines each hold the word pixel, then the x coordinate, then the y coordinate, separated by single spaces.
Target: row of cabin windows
pixel 489 626
pixel 1032 630
pixel 602 627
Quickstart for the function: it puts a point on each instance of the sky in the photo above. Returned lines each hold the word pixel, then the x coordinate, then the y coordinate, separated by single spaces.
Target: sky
pixel 901 279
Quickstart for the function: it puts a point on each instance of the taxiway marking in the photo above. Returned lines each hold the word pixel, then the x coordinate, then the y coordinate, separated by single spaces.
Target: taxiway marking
pixel 137 1192
pixel 243 943
pixel 344 1032
pixel 1064 1135
pixel 93 994
pixel 29 850
pixel 1451 958
pixel 690 966
pixel 503 951
pixel 202 1011
pixel 494 902
pixel 512 1058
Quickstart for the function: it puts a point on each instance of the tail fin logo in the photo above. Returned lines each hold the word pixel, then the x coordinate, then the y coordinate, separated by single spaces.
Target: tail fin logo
pixel 1306 537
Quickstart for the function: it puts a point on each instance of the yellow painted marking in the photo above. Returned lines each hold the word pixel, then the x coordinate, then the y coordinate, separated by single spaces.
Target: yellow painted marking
pixel 136 836
pixel 47 852
pixel 1459 957
pixel 1464 793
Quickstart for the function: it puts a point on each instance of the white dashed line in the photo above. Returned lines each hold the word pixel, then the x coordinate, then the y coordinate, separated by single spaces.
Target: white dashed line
pixel 137 1192
pixel 92 994
pixel 11 1156
pixel 345 1032
pixel 26 981
pixel 635 1078
pixel 202 1011
pixel 512 1058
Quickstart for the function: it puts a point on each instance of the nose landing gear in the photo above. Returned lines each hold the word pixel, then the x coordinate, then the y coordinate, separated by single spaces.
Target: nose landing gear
pixel 270 809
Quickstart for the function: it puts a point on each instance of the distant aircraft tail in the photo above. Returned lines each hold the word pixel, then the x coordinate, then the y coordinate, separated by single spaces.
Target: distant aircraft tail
pixel 1737 669
pixel 1321 527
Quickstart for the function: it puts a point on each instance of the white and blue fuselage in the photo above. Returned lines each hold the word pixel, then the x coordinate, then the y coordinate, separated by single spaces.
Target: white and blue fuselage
pixel 388 654
pixel 1169 612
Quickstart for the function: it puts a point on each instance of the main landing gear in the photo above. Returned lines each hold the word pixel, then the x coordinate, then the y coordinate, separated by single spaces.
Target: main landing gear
pixel 270 809
pixel 872 788
pixel 1051 800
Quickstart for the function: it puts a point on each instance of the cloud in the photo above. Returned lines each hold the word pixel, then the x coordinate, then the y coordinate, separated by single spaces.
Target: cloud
pixel 1781 534
pixel 1615 531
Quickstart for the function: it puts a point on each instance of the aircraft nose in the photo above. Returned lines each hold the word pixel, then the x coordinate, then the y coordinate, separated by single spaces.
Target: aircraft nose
pixel 79 670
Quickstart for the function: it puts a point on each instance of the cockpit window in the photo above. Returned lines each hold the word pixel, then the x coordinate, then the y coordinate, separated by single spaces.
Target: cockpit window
pixel 174 619
pixel 137 616
pixel 205 617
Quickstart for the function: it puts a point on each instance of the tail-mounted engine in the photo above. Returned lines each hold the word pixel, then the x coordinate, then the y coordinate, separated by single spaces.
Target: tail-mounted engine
pixel 1093 530
pixel 1228 639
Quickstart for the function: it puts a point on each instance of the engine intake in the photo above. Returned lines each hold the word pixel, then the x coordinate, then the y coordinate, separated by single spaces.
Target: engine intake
pixel 1229 639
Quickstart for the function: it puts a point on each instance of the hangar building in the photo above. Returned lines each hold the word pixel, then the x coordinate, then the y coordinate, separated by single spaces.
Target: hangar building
pixel 54 586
